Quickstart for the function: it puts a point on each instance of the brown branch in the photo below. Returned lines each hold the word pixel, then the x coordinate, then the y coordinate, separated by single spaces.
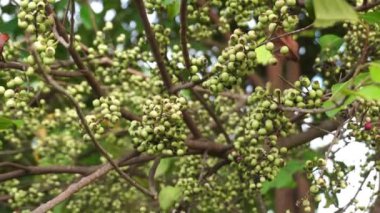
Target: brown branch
pixel 260 204
pixel 368 6
pixel 13 65
pixel 37 170
pixel 152 173
pixel 75 187
pixel 154 45
pixel 314 132
pixel 183 34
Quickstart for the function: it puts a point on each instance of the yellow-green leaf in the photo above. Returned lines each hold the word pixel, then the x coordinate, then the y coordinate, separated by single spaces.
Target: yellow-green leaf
pixel 168 196
pixel 329 12
pixel 374 71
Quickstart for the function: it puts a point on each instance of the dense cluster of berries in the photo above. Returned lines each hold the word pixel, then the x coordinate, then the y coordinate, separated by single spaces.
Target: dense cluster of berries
pixel 304 95
pixel 106 112
pixel 234 62
pixel 162 129
pixel 189 176
pixel 256 153
pixel 33 18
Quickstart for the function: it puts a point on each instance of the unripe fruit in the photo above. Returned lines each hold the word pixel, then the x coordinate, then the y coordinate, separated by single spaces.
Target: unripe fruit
pixel 32 5
pixel 240 56
pixel 17 80
pixel 50 52
pixel 9 93
pixel 284 50
pixel 269 46
pixel 10 103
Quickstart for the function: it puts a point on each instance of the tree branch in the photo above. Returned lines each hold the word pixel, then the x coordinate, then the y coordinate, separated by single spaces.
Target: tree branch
pixel 75 187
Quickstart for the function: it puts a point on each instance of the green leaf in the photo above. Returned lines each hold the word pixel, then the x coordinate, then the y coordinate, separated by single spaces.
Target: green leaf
pixel 168 196
pixel 173 9
pixel 371 92
pixel 374 71
pixel 333 112
pixel 164 166
pixel 340 91
pixel 6 123
pixel 331 42
pixel 284 179
pixel 263 55
pixel 371 17
pixel 310 8
pixel 85 15
pixel 328 12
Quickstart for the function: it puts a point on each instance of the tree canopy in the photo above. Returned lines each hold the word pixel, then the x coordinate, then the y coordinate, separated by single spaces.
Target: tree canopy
pixel 187 105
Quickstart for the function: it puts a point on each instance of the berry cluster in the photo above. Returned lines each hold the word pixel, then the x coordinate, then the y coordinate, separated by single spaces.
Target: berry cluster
pixel 256 153
pixel 162 129
pixel 106 112
pixel 304 95
pixel 234 62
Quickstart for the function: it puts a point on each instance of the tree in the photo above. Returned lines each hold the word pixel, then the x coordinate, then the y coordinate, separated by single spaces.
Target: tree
pixel 199 107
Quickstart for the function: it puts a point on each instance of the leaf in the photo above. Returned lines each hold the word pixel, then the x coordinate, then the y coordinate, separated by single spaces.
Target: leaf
pixel 6 123
pixel 331 42
pixel 310 8
pixel 85 15
pixel 263 55
pixel 333 112
pixel 284 179
pixel 371 17
pixel 374 71
pixel 164 166
pixel 340 91
pixel 173 9
pixel 371 92
pixel 328 12
pixel 168 196
pixel 9 27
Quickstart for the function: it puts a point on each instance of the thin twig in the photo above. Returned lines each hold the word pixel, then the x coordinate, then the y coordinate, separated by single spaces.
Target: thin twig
pixel 260 204
pixel 152 173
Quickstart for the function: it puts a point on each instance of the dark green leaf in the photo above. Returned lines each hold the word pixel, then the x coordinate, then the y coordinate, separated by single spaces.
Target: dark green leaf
pixel 371 17
pixel 331 42
pixel 284 179
pixel 85 15
pixel 6 123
